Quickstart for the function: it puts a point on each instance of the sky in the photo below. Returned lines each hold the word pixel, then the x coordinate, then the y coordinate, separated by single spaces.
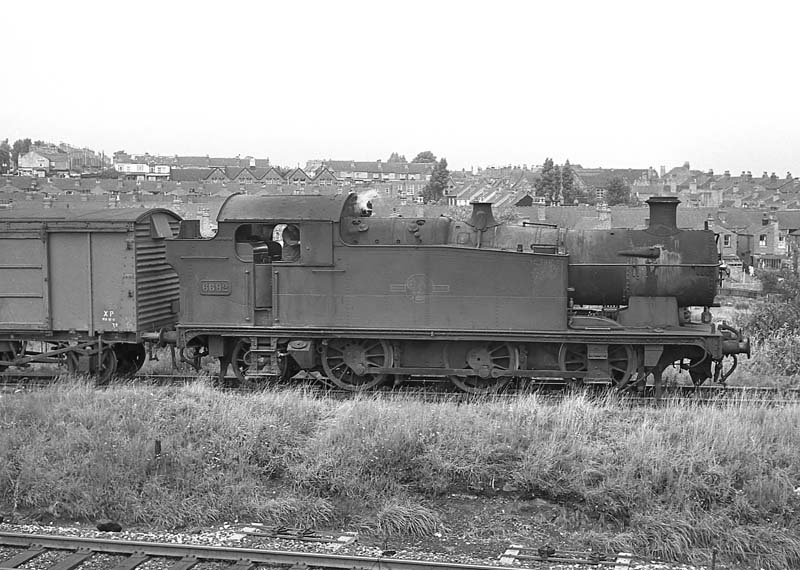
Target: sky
pixel 606 83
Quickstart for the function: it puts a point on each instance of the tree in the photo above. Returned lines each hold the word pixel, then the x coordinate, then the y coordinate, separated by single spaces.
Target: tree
pixel 397 158
pixel 555 196
pixel 425 156
pixel 5 156
pixel 618 192
pixel 20 147
pixel 547 184
pixel 569 191
pixel 108 174
pixel 440 177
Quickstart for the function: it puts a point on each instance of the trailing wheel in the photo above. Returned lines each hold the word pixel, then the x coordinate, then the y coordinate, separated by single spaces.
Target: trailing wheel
pixel 487 360
pixel 250 367
pixel 193 355
pixel 347 362
pixel 622 361
pixel 244 363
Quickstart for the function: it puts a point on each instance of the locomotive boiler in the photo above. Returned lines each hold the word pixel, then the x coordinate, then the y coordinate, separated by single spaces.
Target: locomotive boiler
pixel 315 284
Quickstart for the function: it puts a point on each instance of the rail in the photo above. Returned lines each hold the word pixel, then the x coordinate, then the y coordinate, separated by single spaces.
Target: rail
pixel 184 556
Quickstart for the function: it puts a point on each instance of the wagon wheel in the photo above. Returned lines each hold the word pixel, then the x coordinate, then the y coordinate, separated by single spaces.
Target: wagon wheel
pixel 103 373
pixel 130 358
pixel 486 359
pixel 622 361
pixel 107 368
pixel 347 362
pixel 70 360
pixel 8 356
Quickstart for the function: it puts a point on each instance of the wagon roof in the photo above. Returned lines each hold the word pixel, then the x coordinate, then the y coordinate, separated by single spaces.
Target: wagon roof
pixel 122 214
pixel 34 215
pixel 240 207
pixel 106 215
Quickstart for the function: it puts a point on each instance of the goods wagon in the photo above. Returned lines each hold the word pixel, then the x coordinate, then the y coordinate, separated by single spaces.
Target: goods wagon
pixel 318 284
pixel 82 289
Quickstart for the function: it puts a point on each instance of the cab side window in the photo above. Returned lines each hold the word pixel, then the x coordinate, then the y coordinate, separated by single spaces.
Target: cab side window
pixel 288 235
pixel 254 243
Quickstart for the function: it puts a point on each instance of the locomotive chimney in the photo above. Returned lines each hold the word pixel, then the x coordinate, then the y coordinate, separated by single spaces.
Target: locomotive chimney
pixel 663 217
pixel 482 217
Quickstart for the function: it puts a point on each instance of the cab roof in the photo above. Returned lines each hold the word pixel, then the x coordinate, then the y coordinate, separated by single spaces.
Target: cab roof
pixel 297 208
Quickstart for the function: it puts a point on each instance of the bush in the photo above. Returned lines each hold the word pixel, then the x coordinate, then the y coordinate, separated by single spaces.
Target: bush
pixel 779 313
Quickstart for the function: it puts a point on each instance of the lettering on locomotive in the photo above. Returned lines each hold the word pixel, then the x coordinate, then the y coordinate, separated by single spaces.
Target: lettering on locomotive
pixel 215 287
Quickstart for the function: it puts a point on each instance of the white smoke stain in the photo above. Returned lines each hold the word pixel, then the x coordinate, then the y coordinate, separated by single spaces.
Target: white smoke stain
pixel 364 201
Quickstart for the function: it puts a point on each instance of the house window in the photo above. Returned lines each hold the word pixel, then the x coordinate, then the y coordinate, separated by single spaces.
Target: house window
pixel 726 240
pixel 762 240
pixel 782 242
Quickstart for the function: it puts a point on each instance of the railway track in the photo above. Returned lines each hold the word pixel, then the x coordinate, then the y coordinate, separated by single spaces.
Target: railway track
pixel 437 390
pixel 51 552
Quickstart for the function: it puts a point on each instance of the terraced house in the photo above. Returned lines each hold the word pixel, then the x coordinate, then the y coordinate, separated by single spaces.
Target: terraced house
pixel 41 164
pixel 404 180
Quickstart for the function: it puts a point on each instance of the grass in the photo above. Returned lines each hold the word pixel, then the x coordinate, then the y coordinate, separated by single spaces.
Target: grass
pixel 660 481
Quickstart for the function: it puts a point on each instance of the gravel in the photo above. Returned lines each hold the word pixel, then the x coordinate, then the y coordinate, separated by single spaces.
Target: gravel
pixel 236 536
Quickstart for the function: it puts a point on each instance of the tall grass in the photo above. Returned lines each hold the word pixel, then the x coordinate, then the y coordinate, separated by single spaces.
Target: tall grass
pixel 661 481
pixel 78 453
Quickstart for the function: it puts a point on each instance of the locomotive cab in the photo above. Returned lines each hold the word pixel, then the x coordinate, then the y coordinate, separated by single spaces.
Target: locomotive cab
pixel 235 279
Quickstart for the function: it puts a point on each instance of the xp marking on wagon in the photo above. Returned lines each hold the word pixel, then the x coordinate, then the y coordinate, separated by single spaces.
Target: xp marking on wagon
pixel 109 317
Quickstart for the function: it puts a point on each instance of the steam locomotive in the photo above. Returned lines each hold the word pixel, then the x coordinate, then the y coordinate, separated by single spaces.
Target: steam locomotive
pixel 292 286
pixel 367 300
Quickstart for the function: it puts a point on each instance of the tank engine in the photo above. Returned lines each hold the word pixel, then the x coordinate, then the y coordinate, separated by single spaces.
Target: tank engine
pixel 316 284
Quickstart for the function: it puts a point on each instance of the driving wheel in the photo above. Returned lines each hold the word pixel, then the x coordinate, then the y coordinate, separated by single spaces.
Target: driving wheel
pixel 622 362
pixel 348 362
pixel 486 359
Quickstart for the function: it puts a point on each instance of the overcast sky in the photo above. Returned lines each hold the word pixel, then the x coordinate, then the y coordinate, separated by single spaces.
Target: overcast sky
pixel 601 83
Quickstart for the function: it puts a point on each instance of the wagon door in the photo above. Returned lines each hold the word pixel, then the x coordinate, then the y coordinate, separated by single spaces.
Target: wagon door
pixel 93 267
pixel 24 303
